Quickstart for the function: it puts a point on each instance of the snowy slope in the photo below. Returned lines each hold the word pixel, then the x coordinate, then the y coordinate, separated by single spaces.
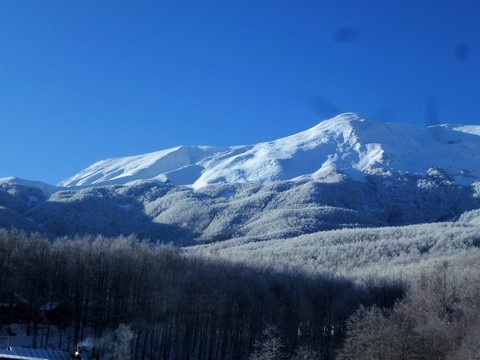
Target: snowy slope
pixel 178 164
pixel 44 187
pixel 346 144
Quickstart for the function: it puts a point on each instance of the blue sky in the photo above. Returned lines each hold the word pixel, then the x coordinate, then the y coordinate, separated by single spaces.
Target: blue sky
pixel 81 81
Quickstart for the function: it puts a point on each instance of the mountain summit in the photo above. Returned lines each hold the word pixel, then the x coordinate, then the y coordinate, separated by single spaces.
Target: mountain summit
pixel 346 145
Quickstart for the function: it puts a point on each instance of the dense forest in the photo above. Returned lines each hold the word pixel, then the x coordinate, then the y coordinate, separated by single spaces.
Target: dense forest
pixel 161 303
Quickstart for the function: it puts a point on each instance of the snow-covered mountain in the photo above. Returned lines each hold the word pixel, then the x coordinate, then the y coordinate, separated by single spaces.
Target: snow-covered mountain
pixel 347 144
pixel 346 172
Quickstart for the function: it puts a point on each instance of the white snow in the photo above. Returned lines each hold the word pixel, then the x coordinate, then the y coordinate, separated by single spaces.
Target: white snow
pixel 141 167
pixel 347 144
pixel 46 188
pixel 469 129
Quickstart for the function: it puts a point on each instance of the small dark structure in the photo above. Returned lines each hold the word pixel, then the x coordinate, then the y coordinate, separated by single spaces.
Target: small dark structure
pixel 13 308
pixel 55 312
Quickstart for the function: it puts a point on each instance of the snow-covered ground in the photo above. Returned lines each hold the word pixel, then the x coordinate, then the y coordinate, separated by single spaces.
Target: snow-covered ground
pixel 15 335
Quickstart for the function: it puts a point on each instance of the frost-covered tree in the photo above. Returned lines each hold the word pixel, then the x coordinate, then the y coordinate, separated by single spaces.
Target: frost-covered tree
pixel 270 347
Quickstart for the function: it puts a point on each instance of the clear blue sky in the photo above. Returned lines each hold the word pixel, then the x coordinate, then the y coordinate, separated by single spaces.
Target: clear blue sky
pixel 81 81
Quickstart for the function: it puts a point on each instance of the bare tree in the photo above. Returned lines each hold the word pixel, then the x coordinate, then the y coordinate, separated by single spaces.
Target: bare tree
pixel 270 347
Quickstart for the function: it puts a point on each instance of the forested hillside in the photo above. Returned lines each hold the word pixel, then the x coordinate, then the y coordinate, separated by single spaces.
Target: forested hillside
pixel 357 253
pixel 185 216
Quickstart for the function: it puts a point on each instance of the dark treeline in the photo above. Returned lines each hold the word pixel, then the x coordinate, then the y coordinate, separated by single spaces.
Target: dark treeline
pixel 178 306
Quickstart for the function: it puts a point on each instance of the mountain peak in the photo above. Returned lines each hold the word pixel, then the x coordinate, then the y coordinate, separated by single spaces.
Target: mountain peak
pixel 346 119
pixel 348 116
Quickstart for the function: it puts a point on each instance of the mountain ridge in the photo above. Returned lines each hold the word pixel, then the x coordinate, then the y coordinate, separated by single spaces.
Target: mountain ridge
pixel 347 144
